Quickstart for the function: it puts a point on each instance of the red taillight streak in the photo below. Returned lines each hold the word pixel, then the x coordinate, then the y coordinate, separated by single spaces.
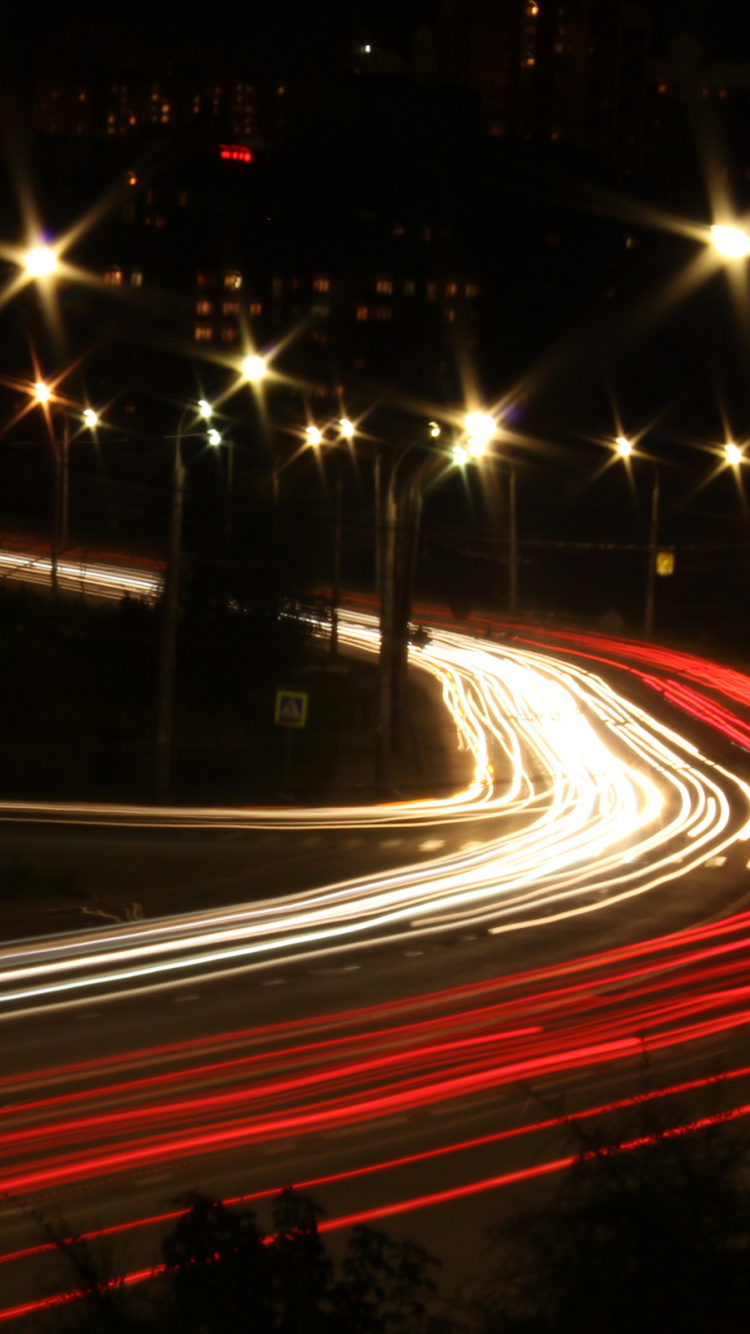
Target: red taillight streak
pixel 372 1106
pixel 420 1201
pixel 257 1093
pixel 581 990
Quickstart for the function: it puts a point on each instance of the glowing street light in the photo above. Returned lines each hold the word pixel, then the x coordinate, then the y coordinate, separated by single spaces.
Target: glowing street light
pixel 205 410
pixel 624 447
pixel 733 454
pixel 40 261
pixel 42 392
pixel 480 429
pixel 731 242
pixel 213 437
pixel 434 429
pixel 313 436
pixel 346 428
pixel 90 418
pixel 254 369
pixel 460 456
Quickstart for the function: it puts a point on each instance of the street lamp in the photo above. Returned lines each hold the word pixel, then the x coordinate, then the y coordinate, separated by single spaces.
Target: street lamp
pixel 254 369
pixel 313 436
pixel 733 454
pixel 730 242
pixel 205 410
pixel 45 397
pixel 480 429
pixel 346 428
pixel 40 261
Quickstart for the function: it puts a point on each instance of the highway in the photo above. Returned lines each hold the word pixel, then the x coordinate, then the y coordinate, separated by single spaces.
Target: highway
pixel 578 907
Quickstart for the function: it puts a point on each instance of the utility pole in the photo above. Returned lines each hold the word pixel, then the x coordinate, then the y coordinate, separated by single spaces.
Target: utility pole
pixel 65 484
pixel 165 722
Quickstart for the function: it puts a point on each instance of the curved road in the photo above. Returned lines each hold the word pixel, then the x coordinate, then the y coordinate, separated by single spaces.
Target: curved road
pixel 221 1047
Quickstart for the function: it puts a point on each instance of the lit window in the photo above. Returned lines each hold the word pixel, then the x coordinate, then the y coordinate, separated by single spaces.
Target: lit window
pixel 230 307
pixel 136 278
pixel 160 220
pixel 383 313
pixel 110 120
pixel 204 280
pixel 204 307
pixel 203 333
pixel 363 313
pixel 431 291
pixel 277 286
pixel 229 335
pixel 132 120
pixel 113 276
pixel 256 308
pixel 451 289
pixel 322 284
pixel 384 285
pixel 472 289
pixel 450 314
pixel 81 97
pixel 529 61
pixel 233 280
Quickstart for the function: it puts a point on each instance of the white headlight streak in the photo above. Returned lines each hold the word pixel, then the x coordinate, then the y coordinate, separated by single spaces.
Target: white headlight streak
pixel 583 798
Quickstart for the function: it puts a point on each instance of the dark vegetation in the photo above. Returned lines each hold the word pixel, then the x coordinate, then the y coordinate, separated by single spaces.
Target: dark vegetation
pixel 649 1238
pixel 223 1274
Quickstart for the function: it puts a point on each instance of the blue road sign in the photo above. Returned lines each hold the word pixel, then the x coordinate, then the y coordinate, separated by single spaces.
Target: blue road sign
pixel 291 708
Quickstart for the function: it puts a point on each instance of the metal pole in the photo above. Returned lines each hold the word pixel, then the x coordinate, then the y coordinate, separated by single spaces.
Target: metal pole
pixel 385 662
pixel 336 580
pixel 512 544
pixel 653 538
pixel 55 509
pixel 165 724
pixel 65 489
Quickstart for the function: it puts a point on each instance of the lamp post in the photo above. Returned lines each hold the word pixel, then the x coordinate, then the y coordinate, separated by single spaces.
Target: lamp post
pixel 402 511
pixel 45 397
pixel 625 450
pixel 170 605
pixel 165 718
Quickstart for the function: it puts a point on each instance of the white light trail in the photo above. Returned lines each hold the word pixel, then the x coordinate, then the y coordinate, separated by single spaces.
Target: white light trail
pixel 584 799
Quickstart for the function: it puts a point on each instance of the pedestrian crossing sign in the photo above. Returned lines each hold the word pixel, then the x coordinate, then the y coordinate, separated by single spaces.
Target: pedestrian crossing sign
pixel 291 708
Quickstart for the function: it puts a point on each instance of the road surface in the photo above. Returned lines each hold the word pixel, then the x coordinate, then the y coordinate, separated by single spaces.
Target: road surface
pixel 431 996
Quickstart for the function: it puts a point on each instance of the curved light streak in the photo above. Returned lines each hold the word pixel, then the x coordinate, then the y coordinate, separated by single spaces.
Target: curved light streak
pixel 583 798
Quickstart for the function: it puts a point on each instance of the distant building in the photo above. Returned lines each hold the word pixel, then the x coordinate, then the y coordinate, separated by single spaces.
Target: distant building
pixel 569 71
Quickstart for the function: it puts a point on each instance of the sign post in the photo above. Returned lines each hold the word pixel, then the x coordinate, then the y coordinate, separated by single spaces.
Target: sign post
pixel 290 713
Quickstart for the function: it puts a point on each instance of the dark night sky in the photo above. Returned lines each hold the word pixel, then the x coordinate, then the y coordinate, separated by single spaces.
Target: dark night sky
pixel 723 26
